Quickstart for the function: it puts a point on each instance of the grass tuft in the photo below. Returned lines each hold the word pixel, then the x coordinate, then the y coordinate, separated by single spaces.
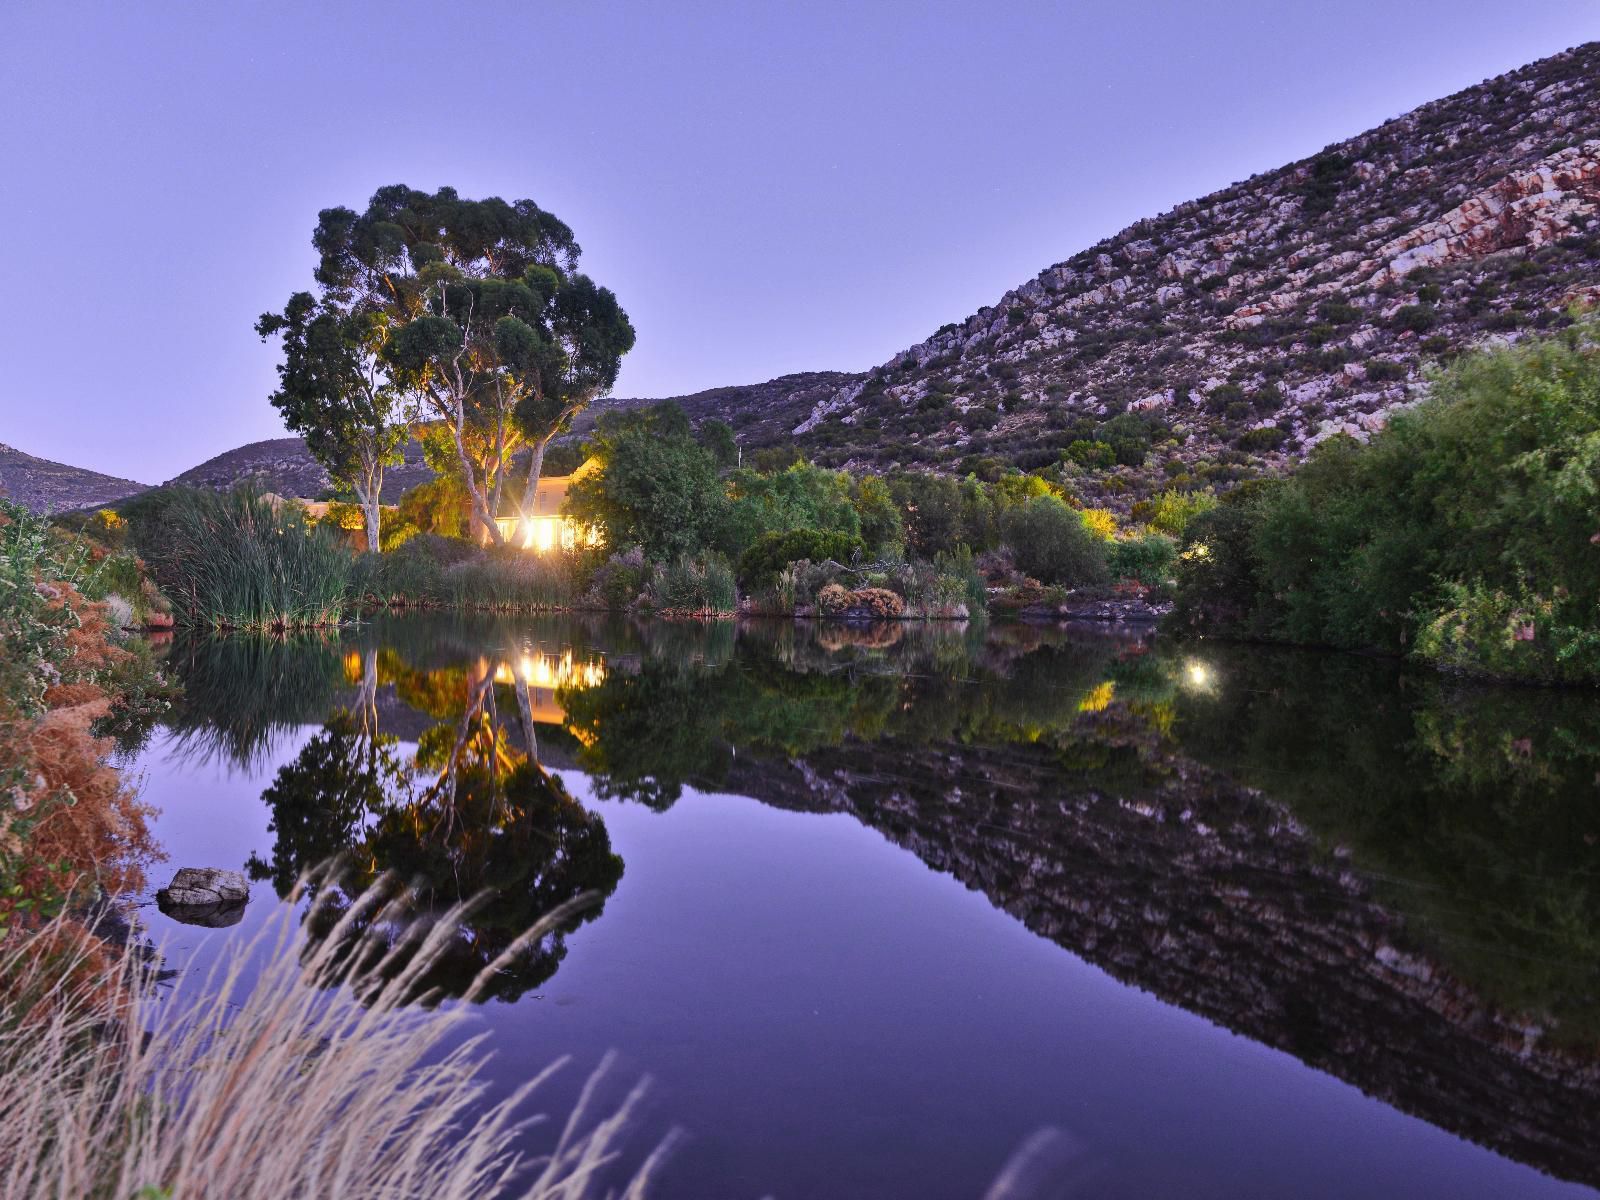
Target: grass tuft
pixel 297 1069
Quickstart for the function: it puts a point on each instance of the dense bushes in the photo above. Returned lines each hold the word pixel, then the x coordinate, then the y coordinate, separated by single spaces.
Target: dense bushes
pixel 1148 559
pixel 1464 532
pixel 701 585
pixel 431 571
pixel 1516 635
pixel 1052 543
pixel 771 552
pixel 66 821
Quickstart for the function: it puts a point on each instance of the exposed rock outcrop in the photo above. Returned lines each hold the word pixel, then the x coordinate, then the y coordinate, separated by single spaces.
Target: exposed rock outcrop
pixel 1298 303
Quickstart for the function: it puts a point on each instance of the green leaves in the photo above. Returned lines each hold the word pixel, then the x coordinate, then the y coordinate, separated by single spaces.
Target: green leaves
pixel 422 343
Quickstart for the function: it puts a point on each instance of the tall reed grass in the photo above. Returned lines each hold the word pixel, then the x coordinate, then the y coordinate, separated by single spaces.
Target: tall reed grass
pixel 242 560
pixel 701 586
pixel 433 572
pixel 309 1078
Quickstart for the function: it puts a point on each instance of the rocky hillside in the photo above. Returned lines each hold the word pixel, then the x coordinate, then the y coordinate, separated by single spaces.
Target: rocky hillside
pixel 763 414
pixel 1218 340
pixel 285 466
pixel 1236 331
pixel 46 486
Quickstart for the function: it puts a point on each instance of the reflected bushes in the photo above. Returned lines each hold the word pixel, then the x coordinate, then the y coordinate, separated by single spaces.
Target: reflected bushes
pixel 242 693
pixel 1471 810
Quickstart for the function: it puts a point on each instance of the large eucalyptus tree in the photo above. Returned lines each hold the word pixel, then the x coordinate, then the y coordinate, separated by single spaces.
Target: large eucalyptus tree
pixel 335 389
pixel 488 325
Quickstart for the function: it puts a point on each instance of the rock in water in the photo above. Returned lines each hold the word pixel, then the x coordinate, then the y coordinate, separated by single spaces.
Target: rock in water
pixel 205 896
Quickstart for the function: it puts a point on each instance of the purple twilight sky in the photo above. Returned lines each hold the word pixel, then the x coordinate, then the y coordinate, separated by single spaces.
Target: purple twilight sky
pixel 767 187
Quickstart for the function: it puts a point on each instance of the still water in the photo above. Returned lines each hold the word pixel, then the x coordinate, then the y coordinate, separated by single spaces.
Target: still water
pixel 874 906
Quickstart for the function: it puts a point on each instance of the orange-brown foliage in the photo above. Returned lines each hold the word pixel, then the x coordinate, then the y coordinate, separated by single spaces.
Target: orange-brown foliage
pixel 102 834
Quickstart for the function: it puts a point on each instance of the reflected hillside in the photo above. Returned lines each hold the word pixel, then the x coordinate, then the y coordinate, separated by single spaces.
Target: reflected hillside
pixel 1388 877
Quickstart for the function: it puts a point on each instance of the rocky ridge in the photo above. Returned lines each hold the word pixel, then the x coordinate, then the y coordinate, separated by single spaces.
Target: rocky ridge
pixel 285 466
pixel 1240 329
pixel 1212 897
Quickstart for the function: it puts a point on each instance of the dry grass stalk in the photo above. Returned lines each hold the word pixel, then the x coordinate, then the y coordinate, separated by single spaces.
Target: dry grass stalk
pixel 295 1070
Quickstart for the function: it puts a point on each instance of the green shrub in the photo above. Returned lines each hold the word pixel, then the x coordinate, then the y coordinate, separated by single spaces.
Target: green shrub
pixel 1149 559
pixel 1480 630
pixel 771 552
pixel 1338 312
pixel 115 574
pixel 619 580
pixel 1415 318
pixel 1255 441
pixel 1090 454
pixel 1171 511
pixel 703 584
pixel 1050 542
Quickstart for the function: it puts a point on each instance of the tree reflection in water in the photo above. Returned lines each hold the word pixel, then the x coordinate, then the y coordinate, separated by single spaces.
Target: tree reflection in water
pixel 1391 877
pixel 472 816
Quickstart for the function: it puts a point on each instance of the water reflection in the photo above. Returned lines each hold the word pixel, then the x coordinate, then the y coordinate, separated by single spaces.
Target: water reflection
pixel 467 812
pixel 1392 878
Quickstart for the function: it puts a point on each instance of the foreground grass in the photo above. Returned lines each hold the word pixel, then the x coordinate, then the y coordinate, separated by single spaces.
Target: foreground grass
pixel 310 1077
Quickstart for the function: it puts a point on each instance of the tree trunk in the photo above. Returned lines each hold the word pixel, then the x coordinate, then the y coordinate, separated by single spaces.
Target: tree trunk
pixel 480 505
pixel 530 493
pixel 367 499
pixel 525 710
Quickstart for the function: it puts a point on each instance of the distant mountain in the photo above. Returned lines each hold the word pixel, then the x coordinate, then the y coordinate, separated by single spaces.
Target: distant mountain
pixel 762 413
pixel 285 466
pixel 46 486
pixel 1298 303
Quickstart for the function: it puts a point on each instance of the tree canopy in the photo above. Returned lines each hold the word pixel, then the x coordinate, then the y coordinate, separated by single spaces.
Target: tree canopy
pixel 487 322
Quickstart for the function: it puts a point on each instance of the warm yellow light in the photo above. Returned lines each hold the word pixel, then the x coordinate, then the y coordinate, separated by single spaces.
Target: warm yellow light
pixel 1197 674
pixel 1099 698
pixel 548 671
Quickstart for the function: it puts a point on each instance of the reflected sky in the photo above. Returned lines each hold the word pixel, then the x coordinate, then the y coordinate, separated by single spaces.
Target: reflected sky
pixel 889 900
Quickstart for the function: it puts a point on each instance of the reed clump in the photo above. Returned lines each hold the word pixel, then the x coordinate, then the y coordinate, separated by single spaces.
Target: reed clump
pixel 242 560
pixel 435 572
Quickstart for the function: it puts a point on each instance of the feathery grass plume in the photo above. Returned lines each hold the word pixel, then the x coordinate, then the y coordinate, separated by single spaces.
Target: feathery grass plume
pixel 296 1070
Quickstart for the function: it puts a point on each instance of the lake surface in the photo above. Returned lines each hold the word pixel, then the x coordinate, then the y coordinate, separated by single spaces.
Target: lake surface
pixel 874 906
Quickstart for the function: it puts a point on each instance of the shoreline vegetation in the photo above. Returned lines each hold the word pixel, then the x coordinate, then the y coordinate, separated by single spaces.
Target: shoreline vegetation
pixel 1461 537
pixel 299 1062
